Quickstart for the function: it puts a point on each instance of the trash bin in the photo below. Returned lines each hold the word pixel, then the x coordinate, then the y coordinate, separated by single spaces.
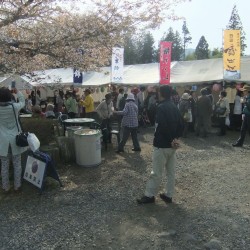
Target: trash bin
pixel 88 147
pixel 71 130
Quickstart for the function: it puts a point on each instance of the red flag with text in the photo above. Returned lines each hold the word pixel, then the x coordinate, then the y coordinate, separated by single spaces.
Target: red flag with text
pixel 165 62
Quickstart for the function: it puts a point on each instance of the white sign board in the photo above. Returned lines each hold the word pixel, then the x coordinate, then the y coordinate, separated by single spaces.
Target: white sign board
pixel 117 65
pixel 34 171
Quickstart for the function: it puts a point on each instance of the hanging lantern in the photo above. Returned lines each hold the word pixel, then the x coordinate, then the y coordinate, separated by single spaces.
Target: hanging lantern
pixel 216 87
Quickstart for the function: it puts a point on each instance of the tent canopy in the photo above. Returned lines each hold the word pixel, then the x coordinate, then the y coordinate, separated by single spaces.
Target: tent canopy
pixel 21 83
pixel 133 75
pixel 182 73
pixel 190 72
pixel 209 70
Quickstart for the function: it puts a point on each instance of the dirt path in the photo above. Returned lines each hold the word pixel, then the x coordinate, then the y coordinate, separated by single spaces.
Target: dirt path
pixel 97 210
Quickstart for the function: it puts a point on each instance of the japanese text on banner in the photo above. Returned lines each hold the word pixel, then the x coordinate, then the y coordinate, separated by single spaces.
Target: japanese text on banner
pixel 231 54
pixel 77 77
pixel 117 65
pixel 165 62
pixel 35 171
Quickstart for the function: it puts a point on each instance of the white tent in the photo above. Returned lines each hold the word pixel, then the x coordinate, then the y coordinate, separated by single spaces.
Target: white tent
pixel 21 83
pixel 133 75
pixel 182 73
pixel 245 69
pixel 51 77
pixel 200 71
pixel 193 72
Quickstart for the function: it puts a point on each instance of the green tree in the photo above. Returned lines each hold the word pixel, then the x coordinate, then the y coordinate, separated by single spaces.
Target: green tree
pixel 236 24
pixel 202 51
pixel 145 48
pixel 175 38
pixel 217 53
pixel 177 49
pixel 186 37
pixel 130 50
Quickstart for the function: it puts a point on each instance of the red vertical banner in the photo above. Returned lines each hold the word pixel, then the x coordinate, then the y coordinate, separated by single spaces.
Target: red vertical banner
pixel 165 62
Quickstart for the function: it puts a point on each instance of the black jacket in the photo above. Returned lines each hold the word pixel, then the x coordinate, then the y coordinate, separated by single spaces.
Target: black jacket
pixel 169 124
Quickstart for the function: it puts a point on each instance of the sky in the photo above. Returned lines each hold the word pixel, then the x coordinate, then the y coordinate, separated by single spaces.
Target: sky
pixel 208 18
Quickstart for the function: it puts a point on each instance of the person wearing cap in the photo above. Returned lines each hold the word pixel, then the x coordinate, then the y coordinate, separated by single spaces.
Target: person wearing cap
pixel 185 110
pixel 50 111
pixel 168 128
pixel 204 111
pixel 105 111
pixel 129 124
pixel 88 103
pixel 246 117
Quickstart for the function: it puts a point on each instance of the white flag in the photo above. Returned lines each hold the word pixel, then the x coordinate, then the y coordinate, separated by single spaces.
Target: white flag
pixel 117 65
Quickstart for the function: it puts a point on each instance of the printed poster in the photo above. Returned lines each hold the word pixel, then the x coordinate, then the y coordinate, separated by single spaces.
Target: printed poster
pixel 165 62
pixel 117 65
pixel 231 54
pixel 34 171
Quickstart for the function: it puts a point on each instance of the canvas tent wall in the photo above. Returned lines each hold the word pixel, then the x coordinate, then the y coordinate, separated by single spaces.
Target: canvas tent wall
pixel 202 71
pixel 245 69
pixel 51 78
pixel 21 83
pixel 146 74
pixel 195 72
pixel 63 77
pixel 183 73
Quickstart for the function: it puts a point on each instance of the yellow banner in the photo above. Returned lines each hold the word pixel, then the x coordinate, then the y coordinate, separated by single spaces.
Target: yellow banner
pixel 231 55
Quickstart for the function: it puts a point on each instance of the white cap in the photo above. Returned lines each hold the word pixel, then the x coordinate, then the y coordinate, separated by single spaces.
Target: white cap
pixel 185 96
pixel 131 97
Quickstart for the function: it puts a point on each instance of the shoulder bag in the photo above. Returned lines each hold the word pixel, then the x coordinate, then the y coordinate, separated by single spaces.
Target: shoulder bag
pixel 21 138
pixel 219 110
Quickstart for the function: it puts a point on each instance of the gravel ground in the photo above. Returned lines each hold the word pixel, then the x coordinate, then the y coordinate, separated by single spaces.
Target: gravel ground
pixel 96 208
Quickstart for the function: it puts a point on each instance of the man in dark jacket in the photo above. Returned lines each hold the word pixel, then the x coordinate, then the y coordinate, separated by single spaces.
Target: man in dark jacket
pixel 169 127
pixel 204 111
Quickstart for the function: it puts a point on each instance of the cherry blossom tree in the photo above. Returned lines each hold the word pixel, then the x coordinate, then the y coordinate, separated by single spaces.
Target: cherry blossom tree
pixel 41 34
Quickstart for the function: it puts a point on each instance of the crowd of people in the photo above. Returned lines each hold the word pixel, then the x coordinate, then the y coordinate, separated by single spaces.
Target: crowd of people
pixel 173 117
pixel 68 103
pixel 197 110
